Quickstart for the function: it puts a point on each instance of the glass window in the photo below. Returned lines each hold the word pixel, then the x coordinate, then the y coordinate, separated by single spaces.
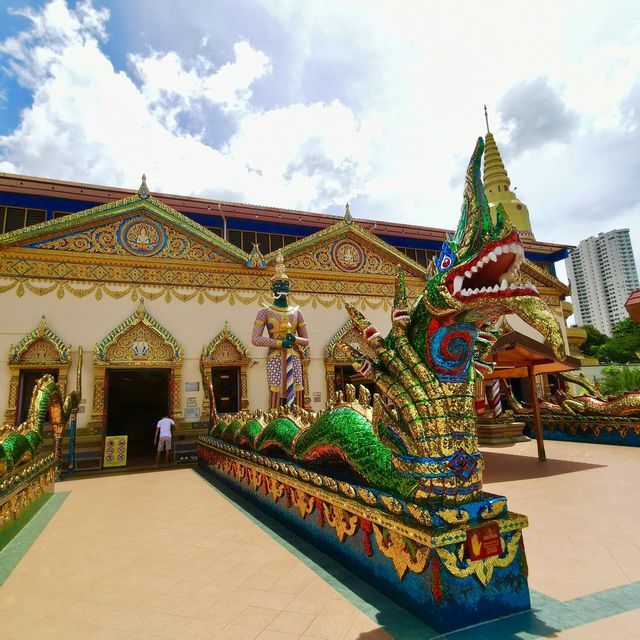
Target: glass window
pixel 13 218
pixel 235 237
pixel 34 216
pixel 263 241
pixel 248 239
pixel 276 241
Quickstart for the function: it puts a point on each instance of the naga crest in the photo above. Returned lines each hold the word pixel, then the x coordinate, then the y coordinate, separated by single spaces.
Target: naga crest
pixel 425 368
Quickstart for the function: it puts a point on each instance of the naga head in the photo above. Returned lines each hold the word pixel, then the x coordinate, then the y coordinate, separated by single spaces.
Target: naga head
pixel 476 277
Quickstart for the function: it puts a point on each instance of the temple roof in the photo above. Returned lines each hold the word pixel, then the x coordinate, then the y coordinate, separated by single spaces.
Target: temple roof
pixel 15 183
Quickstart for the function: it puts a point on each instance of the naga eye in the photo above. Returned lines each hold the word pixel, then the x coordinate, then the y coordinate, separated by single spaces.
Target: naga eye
pixel 445 263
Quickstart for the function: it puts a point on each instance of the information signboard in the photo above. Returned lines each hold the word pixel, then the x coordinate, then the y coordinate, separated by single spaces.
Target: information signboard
pixel 115 451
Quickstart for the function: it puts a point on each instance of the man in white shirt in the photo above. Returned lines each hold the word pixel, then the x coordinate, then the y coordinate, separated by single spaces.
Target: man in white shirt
pixel 164 435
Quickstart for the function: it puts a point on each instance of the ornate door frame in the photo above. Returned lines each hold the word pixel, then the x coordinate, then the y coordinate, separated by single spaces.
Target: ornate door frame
pixel 333 355
pixel 39 349
pixel 225 350
pixel 138 342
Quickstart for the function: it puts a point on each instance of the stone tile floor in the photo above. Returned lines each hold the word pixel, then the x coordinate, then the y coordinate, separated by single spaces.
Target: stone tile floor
pixel 167 555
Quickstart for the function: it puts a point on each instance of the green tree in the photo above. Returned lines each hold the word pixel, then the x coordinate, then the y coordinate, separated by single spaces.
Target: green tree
pixel 624 346
pixel 594 341
pixel 616 380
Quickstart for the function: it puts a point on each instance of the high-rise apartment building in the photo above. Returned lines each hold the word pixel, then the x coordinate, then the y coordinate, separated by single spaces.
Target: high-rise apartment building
pixel 603 273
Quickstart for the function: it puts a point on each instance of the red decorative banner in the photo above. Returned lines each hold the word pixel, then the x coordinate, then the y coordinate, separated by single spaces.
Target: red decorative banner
pixel 484 542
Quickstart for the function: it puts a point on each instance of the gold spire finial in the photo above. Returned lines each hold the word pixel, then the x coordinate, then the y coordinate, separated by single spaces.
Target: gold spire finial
pixel 347 214
pixel 143 191
pixel 497 186
pixel 486 118
pixel 42 326
pixel 280 268
pixel 141 310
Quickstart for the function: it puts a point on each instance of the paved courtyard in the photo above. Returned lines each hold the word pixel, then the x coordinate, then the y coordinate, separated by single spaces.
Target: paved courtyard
pixel 167 555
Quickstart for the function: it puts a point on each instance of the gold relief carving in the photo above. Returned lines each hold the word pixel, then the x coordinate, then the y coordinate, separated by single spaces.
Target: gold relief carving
pixel 139 343
pixel 255 479
pixel 98 394
pixel 367 496
pixel 396 547
pixel 125 344
pixel 275 488
pixel 39 349
pixel 304 502
pixel 140 222
pixel 314 251
pixel 453 516
pixel 43 347
pixel 347 489
pixel 391 504
pixel 12 508
pixel 421 515
pixel 330 295
pixel 345 523
pixel 304 496
pixel 482 569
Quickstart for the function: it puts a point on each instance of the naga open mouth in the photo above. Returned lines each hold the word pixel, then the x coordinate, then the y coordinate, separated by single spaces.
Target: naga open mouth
pixel 493 272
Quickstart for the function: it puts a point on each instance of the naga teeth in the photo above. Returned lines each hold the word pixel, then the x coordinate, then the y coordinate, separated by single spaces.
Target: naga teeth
pixel 506 280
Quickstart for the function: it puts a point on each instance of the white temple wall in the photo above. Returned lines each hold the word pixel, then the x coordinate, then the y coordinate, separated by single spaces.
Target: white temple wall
pixel 85 321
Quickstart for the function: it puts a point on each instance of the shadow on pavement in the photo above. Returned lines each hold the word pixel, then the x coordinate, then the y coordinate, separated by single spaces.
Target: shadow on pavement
pixel 504 467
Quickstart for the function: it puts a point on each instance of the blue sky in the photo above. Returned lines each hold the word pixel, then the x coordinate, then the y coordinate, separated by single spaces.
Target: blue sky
pixel 311 104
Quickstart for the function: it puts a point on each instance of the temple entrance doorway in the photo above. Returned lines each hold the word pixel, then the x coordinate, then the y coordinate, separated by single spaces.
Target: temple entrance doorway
pixel 346 374
pixel 28 380
pixel 226 387
pixel 136 400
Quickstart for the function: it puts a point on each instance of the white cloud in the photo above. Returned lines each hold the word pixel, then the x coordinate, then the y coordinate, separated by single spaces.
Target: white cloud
pixel 405 125
pixel 91 123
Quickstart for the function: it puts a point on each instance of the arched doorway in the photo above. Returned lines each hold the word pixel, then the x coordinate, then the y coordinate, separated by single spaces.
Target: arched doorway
pixel 223 364
pixel 137 381
pixel 39 352
pixel 339 368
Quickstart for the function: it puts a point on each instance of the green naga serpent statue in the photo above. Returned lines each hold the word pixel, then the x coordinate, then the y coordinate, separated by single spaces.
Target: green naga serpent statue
pixel 21 443
pixel 420 442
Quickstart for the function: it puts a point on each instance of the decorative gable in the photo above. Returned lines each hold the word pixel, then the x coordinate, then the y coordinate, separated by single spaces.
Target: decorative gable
pixel 348 248
pixel 40 347
pixel 139 339
pixel 138 226
pixel 225 348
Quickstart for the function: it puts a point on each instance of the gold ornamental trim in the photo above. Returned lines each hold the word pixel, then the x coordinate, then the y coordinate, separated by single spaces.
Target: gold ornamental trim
pixel 110 211
pixel 141 317
pixel 348 228
pixel 41 332
pixel 42 287
pixel 429 537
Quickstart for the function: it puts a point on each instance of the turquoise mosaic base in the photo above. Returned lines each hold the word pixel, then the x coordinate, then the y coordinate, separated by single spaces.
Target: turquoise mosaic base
pixel 591 429
pixel 454 603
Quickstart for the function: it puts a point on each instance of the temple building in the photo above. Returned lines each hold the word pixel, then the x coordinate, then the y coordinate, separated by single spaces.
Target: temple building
pixel 160 292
